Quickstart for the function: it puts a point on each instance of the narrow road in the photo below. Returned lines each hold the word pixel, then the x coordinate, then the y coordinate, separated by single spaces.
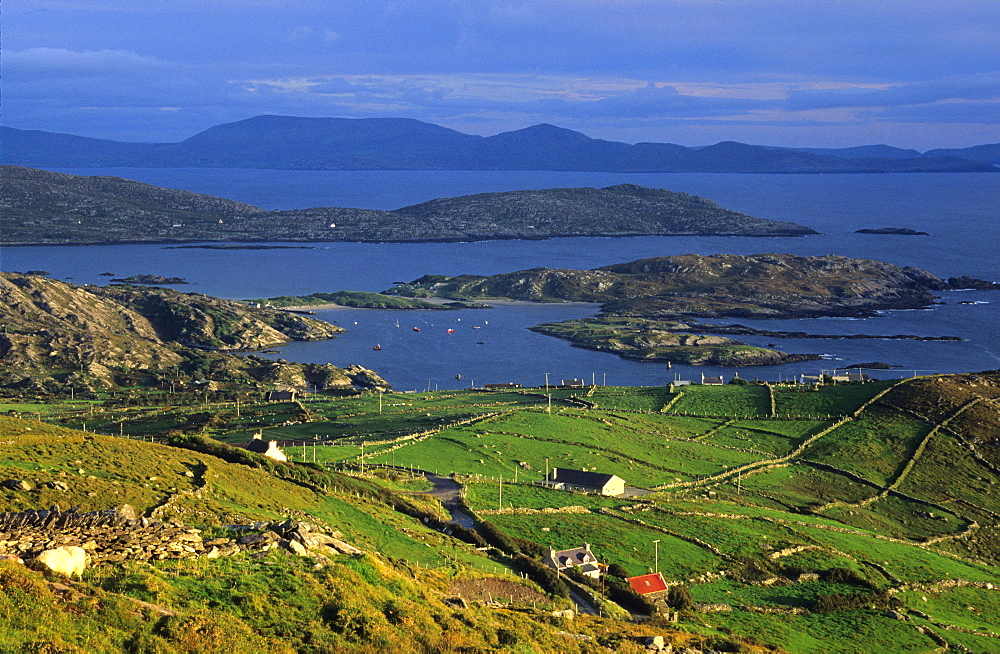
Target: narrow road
pixel 449 491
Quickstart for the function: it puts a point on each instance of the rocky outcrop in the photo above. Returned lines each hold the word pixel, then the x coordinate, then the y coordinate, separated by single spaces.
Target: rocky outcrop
pixel 118 535
pixel 367 379
pixel 54 326
pixel 761 286
pixel 92 336
pixel 197 320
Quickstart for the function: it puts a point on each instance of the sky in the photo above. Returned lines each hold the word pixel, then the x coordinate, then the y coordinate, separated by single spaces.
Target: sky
pixel 795 73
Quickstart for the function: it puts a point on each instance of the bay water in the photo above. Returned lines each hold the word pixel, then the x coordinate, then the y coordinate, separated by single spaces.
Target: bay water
pixel 960 211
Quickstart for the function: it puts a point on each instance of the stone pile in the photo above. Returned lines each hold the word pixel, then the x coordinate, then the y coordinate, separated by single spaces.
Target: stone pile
pixel 119 535
pixel 294 536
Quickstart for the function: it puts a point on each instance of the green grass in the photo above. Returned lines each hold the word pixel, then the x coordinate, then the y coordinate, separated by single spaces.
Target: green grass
pixel 729 400
pixel 612 541
pixel 755 514
pixel 875 446
pixel 481 495
pixel 651 398
pixel 771 437
pixel 834 400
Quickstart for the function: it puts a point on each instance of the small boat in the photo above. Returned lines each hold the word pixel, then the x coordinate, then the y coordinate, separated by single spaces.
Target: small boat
pixel 459 376
pixel 378 346
pixel 451 331
pixel 476 327
pixel 416 329
pixel 480 342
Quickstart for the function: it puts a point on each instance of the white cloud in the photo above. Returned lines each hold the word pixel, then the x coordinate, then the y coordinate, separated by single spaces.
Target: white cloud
pixel 60 62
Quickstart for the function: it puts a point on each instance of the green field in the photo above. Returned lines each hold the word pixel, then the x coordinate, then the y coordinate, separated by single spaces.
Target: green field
pixel 866 498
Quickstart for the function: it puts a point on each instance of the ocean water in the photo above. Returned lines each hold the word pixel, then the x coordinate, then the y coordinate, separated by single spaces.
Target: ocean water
pixel 959 210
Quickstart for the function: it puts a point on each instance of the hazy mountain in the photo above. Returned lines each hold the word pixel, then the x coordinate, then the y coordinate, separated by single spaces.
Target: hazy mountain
pixel 984 153
pixel 285 142
pixel 865 151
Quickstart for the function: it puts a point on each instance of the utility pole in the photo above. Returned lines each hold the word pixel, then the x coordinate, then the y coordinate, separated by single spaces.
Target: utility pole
pixel 546 382
pixel 362 457
pixel 656 555
pixel 500 501
pixel 380 404
pixel 547 470
pixel 549 409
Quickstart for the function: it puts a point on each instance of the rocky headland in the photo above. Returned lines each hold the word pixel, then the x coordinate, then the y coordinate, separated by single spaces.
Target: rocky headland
pixel 648 305
pixel 57 334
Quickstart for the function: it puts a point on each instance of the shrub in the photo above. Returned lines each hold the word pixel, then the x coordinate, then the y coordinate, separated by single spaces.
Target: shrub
pixel 492 534
pixel 617 570
pixel 679 598
pixel 507 637
pixel 846 576
pixel 853 601
pixel 542 575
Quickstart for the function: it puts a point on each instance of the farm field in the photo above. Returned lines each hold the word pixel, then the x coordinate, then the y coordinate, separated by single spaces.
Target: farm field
pixel 814 518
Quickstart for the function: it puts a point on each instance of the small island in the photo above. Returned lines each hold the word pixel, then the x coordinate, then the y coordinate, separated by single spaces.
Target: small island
pixel 894 231
pixel 360 300
pixel 152 280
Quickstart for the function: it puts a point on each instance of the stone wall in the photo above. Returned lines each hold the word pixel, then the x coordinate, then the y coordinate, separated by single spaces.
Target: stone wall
pixel 119 535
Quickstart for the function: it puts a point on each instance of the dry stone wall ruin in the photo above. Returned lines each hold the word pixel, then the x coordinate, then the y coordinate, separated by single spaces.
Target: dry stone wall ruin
pixel 118 534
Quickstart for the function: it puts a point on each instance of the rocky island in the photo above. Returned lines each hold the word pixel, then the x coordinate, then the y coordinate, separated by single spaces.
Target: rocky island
pixel 42 207
pixel 153 280
pixel 892 231
pixel 643 301
pixel 361 300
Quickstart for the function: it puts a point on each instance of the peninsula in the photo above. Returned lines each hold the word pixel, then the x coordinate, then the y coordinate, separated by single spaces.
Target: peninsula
pixel 42 207
pixel 58 335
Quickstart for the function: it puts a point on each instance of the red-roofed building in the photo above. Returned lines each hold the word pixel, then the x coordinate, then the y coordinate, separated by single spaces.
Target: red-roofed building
pixel 647 584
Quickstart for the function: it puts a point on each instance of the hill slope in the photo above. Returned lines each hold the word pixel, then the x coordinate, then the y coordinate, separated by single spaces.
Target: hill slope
pixel 56 332
pixel 288 142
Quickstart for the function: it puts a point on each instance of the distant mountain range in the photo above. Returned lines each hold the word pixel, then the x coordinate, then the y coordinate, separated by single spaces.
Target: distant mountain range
pixel 285 142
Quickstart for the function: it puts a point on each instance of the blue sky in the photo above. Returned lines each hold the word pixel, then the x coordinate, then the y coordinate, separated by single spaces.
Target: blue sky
pixel 824 73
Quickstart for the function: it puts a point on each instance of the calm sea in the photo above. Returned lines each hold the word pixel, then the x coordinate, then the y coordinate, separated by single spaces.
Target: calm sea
pixel 959 210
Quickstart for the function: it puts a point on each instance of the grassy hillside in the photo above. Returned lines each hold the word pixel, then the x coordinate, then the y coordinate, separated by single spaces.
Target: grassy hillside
pixel 391 597
pixel 857 517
